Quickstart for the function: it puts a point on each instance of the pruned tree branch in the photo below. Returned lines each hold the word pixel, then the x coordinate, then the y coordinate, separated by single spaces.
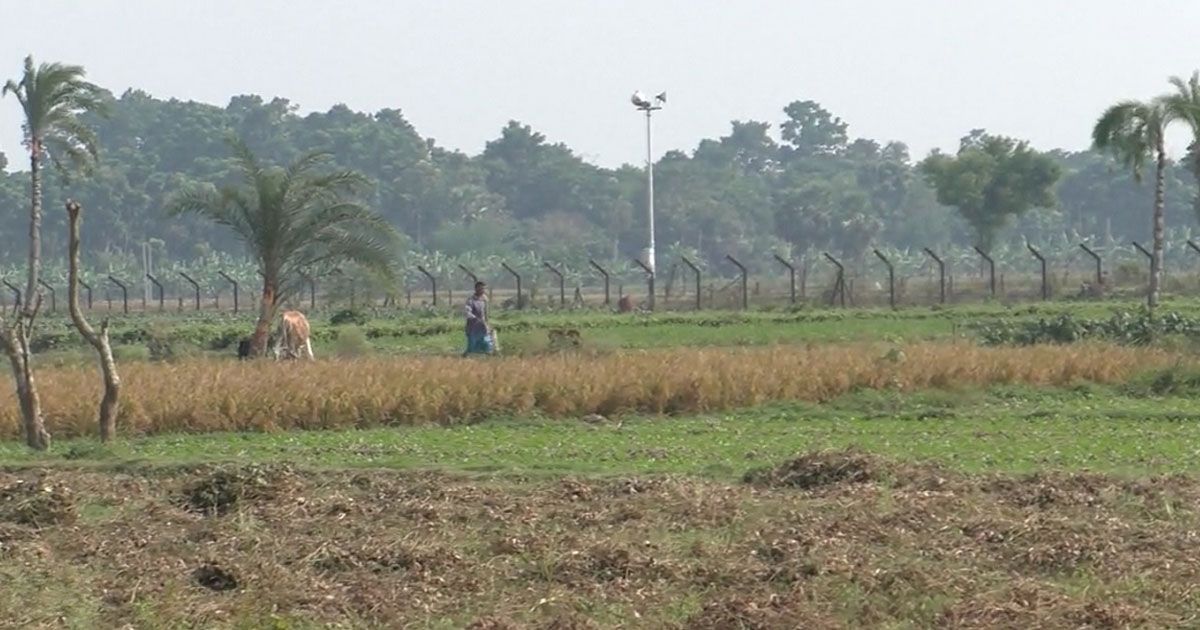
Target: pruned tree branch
pixel 109 404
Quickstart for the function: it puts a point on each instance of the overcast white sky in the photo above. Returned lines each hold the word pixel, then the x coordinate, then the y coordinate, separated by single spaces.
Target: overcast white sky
pixel 921 71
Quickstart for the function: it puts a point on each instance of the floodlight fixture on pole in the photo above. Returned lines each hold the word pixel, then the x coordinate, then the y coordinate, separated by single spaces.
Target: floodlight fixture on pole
pixel 641 102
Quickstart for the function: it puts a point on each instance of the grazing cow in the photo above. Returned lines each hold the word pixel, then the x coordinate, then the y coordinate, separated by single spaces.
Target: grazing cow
pixel 291 337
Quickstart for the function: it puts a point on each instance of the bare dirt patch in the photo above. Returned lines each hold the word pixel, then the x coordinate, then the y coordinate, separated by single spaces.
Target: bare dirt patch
pixel 825 540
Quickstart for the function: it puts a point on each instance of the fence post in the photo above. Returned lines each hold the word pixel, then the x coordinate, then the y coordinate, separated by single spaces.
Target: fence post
pixel 235 288
pixel 991 269
pixel 161 296
pixel 649 281
pixel 87 287
pixel 432 282
pixel 16 293
pixel 1042 260
pixel 562 287
pixel 891 278
pixel 53 300
pixel 839 285
pixel 941 274
pixel 195 287
pixel 695 270
pixel 745 280
pixel 124 293
pixel 604 273
pixel 516 275
pixel 791 273
pixel 1099 268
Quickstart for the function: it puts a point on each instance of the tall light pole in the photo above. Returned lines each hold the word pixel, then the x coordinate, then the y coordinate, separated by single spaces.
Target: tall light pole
pixel 644 104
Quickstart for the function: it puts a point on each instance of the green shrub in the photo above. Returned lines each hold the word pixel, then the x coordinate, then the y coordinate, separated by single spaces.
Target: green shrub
pixel 351 343
pixel 1123 327
pixel 349 316
pixel 1176 380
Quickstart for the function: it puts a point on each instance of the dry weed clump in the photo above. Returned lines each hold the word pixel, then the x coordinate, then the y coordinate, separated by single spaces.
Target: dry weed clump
pixel 210 395
pixel 36 503
pixel 220 490
pixel 817 469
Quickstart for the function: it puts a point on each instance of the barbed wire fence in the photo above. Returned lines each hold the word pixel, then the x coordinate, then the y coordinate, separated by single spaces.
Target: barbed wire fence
pixel 437 282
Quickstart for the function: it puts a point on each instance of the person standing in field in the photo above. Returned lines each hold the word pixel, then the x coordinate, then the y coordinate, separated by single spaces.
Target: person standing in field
pixel 479 339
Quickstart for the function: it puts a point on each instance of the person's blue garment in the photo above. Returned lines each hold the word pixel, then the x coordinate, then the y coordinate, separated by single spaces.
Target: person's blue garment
pixel 479 343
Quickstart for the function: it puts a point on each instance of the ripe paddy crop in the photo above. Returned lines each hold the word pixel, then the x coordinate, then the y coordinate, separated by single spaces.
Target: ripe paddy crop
pixel 214 395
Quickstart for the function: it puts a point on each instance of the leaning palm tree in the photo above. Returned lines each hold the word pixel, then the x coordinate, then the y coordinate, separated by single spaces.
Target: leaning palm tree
pixel 1183 105
pixel 1133 131
pixel 294 221
pixel 53 99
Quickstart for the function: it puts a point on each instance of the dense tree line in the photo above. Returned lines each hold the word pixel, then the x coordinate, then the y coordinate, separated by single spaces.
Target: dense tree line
pixel 796 185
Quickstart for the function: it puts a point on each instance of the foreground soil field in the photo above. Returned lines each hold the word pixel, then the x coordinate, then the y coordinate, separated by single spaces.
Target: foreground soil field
pixel 831 539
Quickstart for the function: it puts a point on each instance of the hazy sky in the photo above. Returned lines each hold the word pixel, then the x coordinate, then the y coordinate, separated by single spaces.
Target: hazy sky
pixel 921 71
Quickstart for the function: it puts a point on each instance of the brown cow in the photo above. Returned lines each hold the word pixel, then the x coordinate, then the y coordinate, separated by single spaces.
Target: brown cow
pixel 292 336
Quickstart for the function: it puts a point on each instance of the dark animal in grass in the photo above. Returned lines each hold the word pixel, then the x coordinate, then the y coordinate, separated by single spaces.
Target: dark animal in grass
pixel 244 349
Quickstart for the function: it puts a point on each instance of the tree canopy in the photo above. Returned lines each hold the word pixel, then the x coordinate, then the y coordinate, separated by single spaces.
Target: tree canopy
pixel 802 183
pixel 991 180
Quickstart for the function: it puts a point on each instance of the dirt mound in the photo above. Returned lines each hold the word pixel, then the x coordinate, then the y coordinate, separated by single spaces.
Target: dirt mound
pixel 219 490
pixel 817 469
pixel 845 467
pixel 38 503
pixel 214 578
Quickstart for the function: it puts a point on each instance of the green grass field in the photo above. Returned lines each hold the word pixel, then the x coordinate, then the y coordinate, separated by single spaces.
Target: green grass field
pixel 1008 430
pixel 440 332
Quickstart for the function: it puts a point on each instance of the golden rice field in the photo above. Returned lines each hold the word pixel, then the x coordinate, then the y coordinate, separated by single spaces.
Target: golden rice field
pixel 213 395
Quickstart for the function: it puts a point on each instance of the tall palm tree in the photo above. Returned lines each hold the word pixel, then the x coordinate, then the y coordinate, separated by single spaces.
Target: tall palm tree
pixel 1133 131
pixel 53 98
pixel 1183 105
pixel 294 221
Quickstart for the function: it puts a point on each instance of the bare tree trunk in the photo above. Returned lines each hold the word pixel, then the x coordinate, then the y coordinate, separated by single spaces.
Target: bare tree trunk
pixel 109 404
pixel 266 314
pixel 1156 259
pixel 35 226
pixel 14 341
pixel 15 336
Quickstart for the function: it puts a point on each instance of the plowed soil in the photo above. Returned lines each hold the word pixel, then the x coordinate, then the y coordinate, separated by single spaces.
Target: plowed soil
pixel 828 540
